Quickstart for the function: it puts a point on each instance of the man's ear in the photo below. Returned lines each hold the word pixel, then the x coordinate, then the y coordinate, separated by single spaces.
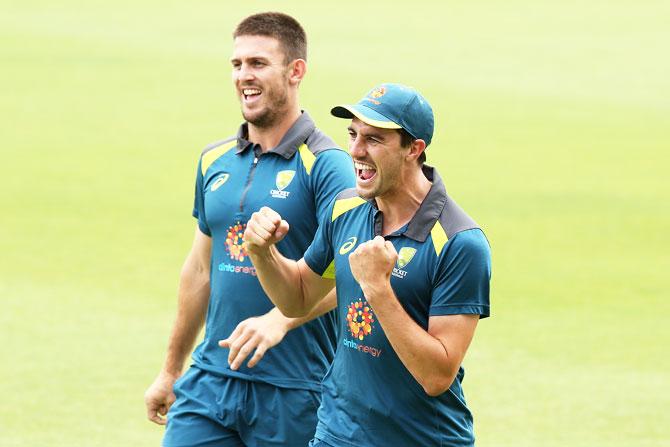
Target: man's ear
pixel 297 71
pixel 416 149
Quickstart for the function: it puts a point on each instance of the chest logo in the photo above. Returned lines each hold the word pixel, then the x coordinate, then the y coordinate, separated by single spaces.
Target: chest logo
pixel 348 245
pixel 283 179
pixel 235 242
pixel 223 178
pixel 405 256
pixel 359 319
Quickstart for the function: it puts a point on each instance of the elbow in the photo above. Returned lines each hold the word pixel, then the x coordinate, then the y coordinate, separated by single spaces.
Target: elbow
pixel 292 312
pixel 437 385
pixel 435 389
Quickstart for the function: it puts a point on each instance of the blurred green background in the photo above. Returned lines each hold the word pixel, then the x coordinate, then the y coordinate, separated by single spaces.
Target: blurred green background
pixel 553 126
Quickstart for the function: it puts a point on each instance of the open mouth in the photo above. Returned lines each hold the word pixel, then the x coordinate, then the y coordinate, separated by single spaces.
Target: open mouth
pixel 250 94
pixel 364 172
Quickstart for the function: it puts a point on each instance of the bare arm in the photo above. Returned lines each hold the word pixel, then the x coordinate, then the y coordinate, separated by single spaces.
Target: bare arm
pixel 432 357
pixel 291 285
pixel 193 297
pixel 264 332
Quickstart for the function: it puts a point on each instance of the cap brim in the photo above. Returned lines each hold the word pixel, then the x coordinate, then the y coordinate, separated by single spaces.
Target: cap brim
pixel 365 114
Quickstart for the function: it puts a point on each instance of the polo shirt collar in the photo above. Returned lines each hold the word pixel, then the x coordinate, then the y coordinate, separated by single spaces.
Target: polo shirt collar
pixel 429 211
pixel 290 142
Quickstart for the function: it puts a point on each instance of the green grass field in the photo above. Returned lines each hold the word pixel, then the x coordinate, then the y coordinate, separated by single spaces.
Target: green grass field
pixel 553 130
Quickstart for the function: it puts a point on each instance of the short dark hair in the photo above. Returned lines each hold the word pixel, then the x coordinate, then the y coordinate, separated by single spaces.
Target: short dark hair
pixel 406 140
pixel 284 28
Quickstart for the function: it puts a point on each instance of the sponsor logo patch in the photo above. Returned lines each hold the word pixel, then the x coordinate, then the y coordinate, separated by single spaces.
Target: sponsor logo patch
pixel 360 322
pixel 360 319
pixel 235 243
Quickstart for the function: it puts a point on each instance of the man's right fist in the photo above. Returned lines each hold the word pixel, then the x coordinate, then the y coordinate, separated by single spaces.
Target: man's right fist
pixel 264 229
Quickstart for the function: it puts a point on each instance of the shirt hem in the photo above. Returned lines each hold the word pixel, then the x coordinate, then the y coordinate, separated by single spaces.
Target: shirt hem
pixel 333 440
pixel 295 384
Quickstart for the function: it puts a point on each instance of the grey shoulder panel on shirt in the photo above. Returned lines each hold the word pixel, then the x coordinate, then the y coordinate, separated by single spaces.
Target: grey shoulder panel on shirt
pixel 318 142
pixel 454 220
pixel 216 144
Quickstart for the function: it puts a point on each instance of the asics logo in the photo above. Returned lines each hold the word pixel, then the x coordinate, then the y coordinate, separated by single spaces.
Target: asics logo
pixel 348 245
pixel 219 181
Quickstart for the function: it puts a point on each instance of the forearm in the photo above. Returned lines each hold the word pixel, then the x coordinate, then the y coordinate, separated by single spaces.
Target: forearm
pixel 424 356
pixel 280 278
pixel 193 298
pixel 328 303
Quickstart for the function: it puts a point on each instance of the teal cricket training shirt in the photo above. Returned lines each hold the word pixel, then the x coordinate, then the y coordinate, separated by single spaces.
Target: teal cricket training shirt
pixel 298 179
pixel 443 268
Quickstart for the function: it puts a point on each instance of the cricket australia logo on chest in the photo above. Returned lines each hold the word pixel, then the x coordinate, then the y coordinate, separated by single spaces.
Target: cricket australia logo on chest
pixel 405 255
pixel 283 179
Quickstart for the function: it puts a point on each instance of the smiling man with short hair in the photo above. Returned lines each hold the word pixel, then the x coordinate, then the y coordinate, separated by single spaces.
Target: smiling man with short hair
pixel 277 158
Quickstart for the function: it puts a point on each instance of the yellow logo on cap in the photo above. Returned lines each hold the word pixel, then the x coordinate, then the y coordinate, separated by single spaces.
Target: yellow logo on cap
pixel 376 93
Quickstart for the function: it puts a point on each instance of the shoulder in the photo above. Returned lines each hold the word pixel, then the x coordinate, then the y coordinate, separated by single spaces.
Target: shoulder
pixel 346 201
pixel 455 228
pixel 215 150
pixel 320 149
pixel 472 242
pixel 318 142
pixel 454 220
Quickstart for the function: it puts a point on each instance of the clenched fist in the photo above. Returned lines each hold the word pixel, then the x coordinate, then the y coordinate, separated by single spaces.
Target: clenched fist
pixel 372 263
pixel 264 229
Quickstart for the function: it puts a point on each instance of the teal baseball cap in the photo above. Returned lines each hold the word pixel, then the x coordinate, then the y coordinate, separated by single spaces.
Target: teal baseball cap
pixel 392 106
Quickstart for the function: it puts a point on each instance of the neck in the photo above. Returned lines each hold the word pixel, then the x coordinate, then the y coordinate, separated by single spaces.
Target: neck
pixel 400 205
pixel 269 137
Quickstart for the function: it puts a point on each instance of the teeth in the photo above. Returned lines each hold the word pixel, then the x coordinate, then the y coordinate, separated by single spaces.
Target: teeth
pixel 251 91
pixel 363 166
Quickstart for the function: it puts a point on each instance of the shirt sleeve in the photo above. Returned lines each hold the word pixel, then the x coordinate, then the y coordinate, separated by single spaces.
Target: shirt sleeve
pixel 463 276
pixel 333 172
pixel 319 255
pixel 199 202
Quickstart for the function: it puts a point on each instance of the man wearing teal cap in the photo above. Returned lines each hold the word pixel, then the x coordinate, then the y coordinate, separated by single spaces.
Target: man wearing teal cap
pixel 412 271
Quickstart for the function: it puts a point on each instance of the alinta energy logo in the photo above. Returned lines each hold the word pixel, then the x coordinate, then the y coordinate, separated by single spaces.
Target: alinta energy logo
pixel 235 242
pixel 283 179
pixel 405 255
pixel 235 248
pixel 220 180
pixel 360 320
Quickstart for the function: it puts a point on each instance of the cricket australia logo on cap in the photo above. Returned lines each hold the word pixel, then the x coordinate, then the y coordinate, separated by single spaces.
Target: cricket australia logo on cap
pixel 376 93
pixel 220 180
pixel 405 256
pixel 283 179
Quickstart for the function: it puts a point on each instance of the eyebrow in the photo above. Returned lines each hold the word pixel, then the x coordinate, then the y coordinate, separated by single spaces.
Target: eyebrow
pixel 252 58
pixel 376 135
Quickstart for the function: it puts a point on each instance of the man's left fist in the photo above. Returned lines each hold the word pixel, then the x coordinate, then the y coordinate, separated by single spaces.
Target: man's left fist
pixel 372 262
